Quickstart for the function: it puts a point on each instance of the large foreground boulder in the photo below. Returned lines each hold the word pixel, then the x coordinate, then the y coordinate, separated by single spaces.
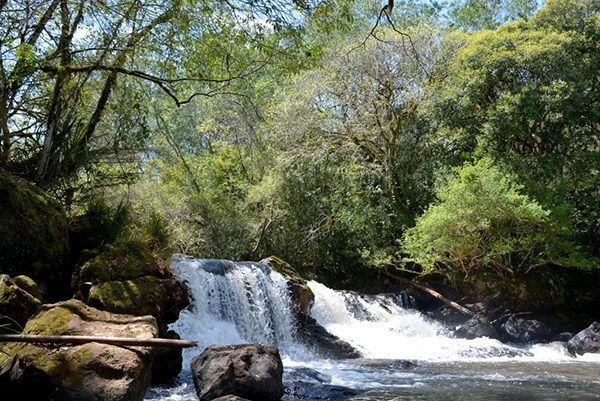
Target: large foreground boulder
pixel 17 304
pixel 33 235
pixel 91 372
pixel 586 341
pixel 250 371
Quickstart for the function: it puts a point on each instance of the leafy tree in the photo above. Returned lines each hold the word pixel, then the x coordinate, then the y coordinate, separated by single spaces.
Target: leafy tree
pixel 527 94
pixel 488 14
pixel 63 64
pixel 482 219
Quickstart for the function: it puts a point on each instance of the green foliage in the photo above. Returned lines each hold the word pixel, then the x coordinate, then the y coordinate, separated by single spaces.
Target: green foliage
pixel 488 14
pixel 526 94
pixel 326 217
pixel 109 223
pixel 320 135
pixel 482 219
pixel 157 232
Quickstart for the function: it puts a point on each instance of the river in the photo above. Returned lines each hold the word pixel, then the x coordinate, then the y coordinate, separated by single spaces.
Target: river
pixel 233 303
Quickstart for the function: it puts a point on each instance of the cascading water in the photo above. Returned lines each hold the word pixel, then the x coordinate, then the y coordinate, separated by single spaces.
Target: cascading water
pixel 234 303
pixel 382 328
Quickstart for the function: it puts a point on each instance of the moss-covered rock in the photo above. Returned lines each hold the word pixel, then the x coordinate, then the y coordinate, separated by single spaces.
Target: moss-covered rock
pixel 27 284
pixel 162 298
pixel 121 261
pixel 126 278
pixel 16 305
pixel 33 235
pixel 85 372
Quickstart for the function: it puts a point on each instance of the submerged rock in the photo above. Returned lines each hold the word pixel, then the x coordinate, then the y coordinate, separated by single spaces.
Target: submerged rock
pixel 308 384
pixel 305 375
pixel 324 343
pixel 329 392
pixel 88 372
pixel 586 341
pixel 230 398
pixel 250 371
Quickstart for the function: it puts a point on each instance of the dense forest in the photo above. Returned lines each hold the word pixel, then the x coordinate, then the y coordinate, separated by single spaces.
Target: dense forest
pixel 346 137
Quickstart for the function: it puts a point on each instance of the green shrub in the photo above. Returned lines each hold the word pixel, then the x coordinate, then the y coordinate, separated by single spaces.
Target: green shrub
pixel 157 231
pixel 482 219
pixel 112 222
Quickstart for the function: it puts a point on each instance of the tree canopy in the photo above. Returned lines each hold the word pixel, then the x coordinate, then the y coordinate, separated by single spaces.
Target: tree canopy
pixel 339 135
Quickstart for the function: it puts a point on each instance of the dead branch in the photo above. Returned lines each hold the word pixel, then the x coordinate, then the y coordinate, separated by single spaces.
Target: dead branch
pixel 78 340
pixel 434 294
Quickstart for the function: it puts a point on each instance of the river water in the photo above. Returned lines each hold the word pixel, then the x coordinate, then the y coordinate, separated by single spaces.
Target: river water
pixel 234 303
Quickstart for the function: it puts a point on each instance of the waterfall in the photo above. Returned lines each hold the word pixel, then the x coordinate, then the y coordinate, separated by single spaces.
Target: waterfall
pixel 383 327
pixel 235 303
pixel 245 302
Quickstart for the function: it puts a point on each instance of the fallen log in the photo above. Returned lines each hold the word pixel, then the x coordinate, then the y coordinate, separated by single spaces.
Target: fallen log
pixel 435 294
pixel 78 340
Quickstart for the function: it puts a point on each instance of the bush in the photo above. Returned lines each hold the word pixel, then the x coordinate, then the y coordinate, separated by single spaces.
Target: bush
pixel 481 219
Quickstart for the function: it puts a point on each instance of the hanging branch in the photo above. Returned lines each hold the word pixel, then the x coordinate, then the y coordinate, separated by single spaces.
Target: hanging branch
pixel 387 11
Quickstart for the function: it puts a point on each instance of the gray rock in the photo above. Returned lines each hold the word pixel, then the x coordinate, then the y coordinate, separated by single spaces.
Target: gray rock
pixel 519 330
pixel 586 341
pixel 324 343
pixel 477 326
pixel 305 375
pixel 309 391
pixel 251 371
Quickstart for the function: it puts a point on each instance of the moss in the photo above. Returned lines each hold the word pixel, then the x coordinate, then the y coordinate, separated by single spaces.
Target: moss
pixel 284 268
pixel 83 371
pixel 27 284
pixel 123 261
pixel 140 296
pixel 302 295
pixel 148 295
pixel 53 321
pixel 16 305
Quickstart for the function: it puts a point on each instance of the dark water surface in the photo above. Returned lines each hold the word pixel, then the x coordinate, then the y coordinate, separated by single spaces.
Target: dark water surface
pixel 385 380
